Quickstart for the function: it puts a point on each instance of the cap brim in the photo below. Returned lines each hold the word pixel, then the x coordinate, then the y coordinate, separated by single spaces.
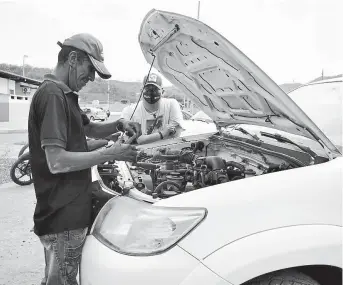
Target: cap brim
pixel 152 83
pixel 100 68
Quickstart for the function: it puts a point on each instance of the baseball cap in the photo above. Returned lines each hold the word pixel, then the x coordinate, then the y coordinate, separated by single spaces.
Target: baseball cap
pixel 93 47
pixel 153 79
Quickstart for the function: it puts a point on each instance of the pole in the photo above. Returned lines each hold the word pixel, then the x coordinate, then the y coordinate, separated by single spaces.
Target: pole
pixel 108 94
pixel 198 17
pixel 25 56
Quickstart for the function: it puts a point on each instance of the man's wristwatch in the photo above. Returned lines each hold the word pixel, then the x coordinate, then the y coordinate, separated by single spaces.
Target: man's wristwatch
pixel 160 135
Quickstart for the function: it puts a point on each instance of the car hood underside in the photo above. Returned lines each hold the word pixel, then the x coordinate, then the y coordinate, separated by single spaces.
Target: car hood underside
pixel 219 78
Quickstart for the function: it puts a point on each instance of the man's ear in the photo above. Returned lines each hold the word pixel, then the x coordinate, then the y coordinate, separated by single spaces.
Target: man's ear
pixel 72 58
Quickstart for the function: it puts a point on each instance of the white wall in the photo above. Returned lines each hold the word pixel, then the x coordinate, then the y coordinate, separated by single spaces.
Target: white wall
pixel 18 115
pixel 11 86
pixel 18 110
pixel 4 85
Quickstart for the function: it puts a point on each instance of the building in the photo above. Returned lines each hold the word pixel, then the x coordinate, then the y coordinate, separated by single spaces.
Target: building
pixel 15 96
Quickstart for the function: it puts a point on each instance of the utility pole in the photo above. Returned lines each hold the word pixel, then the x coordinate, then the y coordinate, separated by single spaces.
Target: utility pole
pixel 198 17
pixel 323 74
pixel 24 57
pixel 108 94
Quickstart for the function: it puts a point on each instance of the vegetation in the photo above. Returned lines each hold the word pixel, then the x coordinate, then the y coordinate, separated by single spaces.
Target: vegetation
pixel 114 90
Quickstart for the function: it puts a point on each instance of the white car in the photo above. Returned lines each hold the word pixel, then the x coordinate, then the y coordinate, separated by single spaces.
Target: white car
pixel 94 113
pixel 256 201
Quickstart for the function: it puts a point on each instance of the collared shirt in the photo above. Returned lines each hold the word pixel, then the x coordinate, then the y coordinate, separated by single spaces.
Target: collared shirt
pixel 55 119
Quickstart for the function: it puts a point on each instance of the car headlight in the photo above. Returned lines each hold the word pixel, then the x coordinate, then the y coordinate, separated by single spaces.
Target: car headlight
pixel 134 227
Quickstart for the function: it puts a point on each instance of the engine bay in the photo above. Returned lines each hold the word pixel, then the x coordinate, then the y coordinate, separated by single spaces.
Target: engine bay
pixel 171 169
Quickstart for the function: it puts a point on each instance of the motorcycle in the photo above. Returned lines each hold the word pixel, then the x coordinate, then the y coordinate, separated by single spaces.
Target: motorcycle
pixel 21 169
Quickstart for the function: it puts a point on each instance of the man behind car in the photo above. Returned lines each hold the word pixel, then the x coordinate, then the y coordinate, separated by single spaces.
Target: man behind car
pixel 61 160
pixel 160 118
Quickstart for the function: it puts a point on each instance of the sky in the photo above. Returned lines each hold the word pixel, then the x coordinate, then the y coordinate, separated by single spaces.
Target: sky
pixel 291 40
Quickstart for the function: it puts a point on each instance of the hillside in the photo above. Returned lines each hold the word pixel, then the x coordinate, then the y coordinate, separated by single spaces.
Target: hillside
pixel 97 90
pixel 118 90
pixel 30 71
pixel 325 77
pixel 288 87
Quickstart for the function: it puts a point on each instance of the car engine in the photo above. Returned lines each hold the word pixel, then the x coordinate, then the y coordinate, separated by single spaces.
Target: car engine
pixel 170 170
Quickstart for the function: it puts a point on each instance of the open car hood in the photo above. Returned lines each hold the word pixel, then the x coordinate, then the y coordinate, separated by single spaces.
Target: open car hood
pixel 219 78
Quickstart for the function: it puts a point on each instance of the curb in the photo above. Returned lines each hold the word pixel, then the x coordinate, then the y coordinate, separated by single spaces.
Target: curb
pixel 12 131
pixel 6 185
pixel 13 185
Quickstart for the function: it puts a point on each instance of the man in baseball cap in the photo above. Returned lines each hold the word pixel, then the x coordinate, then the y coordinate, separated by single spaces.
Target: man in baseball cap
pixel 159 118
pixel 93 48
pixel 152 88
pixel 61 159
pixel 153 79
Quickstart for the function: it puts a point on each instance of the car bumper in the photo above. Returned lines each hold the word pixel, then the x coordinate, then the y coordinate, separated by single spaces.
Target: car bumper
pixel 101 265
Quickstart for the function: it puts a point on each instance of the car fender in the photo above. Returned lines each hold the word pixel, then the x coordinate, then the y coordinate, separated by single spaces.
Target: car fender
pixel 276 249
pixel 304 196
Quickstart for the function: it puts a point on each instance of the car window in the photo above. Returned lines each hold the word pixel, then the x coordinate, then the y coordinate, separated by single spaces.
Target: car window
pixel 322 102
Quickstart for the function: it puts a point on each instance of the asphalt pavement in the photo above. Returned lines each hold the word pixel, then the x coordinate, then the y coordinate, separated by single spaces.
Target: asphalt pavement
pixel 11 143
pixel 21 254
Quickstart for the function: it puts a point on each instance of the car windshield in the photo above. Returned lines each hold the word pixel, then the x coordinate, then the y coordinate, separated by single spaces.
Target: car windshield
pixel 322 102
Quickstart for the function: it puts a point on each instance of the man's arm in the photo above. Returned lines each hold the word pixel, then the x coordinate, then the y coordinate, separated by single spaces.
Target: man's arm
pixel 95 144
pixel 60 161
pixel 144 139
pixel 54 137
pixel 176 117
pixel 102 130
pixel 166 133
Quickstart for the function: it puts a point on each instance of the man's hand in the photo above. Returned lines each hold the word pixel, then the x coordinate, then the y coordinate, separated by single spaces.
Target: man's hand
pixel 168 131
pixel 114 137
pixel 121 152
pixel 130 127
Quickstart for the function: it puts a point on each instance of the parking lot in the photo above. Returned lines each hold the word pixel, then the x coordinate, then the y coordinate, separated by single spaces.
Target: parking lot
pixel 21 254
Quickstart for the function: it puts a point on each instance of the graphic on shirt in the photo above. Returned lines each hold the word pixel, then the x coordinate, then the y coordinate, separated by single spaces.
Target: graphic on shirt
pixel 151 126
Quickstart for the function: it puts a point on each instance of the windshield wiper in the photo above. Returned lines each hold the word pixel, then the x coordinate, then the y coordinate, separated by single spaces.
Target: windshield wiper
pixel 283 139
pixel 201 120
pixel 244 131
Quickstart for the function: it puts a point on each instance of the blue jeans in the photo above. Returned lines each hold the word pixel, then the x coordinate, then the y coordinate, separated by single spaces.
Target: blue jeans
pixel 62 253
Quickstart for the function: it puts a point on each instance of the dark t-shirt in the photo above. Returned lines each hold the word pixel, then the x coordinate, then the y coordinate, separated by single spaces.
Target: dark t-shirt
pixel 55 119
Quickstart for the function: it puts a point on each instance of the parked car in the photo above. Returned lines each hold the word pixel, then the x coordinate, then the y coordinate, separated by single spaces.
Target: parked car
pixel 322 102
pixel 95 113
pixel 256 201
